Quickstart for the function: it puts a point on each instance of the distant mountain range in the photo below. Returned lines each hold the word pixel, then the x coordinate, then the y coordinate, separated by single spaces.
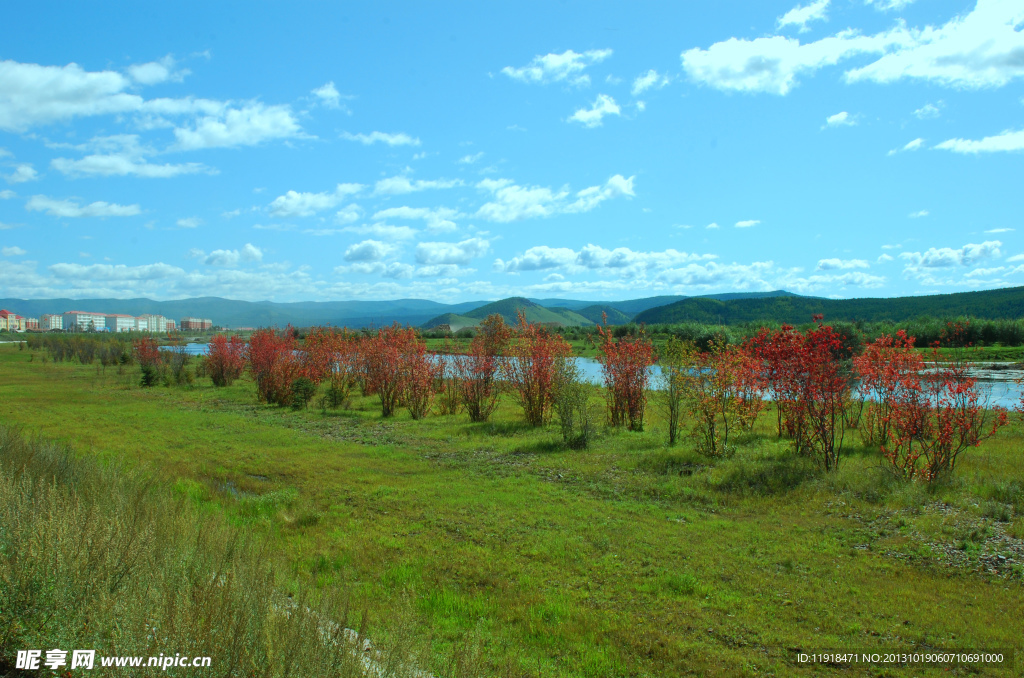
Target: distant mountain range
pixel 1007 303
pixel 730 308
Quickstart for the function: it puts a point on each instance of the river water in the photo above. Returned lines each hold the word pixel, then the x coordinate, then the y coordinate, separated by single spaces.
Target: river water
pixel 1000 387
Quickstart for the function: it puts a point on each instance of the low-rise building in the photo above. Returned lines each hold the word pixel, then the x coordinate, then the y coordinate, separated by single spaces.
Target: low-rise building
pixel 51 321
pixel 32 324
pixel 171 325
pixel 196 324
pixel 119 322
pixel 149 322
pixel 83 321
pixel 12 322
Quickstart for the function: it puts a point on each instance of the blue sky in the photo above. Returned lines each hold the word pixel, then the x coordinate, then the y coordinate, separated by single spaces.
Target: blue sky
pixel 457 151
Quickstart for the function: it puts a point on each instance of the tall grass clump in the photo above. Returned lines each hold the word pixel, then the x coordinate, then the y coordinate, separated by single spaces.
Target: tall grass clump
pixel 98 557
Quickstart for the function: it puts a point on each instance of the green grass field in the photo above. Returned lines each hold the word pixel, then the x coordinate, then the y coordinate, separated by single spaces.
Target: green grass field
pixel 628 559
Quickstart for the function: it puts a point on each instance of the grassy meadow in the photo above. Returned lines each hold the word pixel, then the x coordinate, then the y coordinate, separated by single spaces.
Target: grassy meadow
pixel 627 559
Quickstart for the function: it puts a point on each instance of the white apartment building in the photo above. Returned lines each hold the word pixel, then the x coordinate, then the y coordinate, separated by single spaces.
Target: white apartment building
pixel 151 323
pixel 51 322
pixel 119 322
pixel 80 321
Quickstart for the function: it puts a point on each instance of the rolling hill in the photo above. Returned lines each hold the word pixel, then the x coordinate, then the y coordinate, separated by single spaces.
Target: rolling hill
pixel 999 304
pixel 508 309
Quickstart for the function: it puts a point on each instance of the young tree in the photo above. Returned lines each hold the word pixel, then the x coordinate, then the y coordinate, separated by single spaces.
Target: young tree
pixel 887 367
pixel 824 394
pixel 421 371
pixel 273 364
pixel 572 402
pixel 535 358
pixel 477 371
pixel 225 359
pixel 146 352
pixel 625 364
pixel 677 360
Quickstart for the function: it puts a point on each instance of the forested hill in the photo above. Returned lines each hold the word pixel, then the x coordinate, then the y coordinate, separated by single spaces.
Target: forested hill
pixel 999 304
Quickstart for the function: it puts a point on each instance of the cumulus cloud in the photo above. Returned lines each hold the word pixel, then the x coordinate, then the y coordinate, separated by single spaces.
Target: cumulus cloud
pixel 401 184
pixel 119 272
pixel 328 95
pixel 22 173
pixel 451 253
pixel 13 252
pixel 928 111
pixel 123 165
pixel 247 126
pixel 840 119
pixel 913 145
pixel 400 139
pixel 979 49
pixel 348 214
pixel 229 258
pixel 886 5
pixel 569 66
pixel 71 209
pixel 622 260
pixel 918 214
pixel 368 251
pixel 947 257
pixel 7 195
pixel 384 231
pixel 155 72
pixel 511 202
pixel 592 117
pixel 1005 142
pixel 802 15
pixel 839 264
pixel 438 220
pixel 470 159
pixel 650 79
pixel 748 223
pixel 190 222
pixel 295 204
pixel 884 258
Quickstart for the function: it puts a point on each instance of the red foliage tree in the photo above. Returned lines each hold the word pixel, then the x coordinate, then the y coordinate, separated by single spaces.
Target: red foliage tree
pixel 886 368
pixel 146 352
pixel 625 364
pixel 824 394
pixel 934 418
pixel 225 359
pixel 397 368
pixel 273 364
pixel 534 361
pixel 477 371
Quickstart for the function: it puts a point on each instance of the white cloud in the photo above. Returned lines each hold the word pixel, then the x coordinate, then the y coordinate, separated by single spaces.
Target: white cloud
pixel 71 209
pixel 295 204
pixel 592 117
pixel 918 214
pixel 1000 230
pixel 539 258
pixel 400 139
pixel 1006 141
pixel 979 49
pixel 913 145
pixel 840 119
pixel 229 258
pixel 650 79
pixel 712 226
pixel 801 15
pixel 7 195
pixel 883 258
pixel 1015 258
pixel 190 222
pixel 123 165
pixel 368 250
pixel 947 257
pixel 155 72
pixel 120 272
pixel 567 66
pixel 886 5
pixel 22 173
pixel 247 126
pixel 401 184
pixel 470 159
pixel 748 223
pixel 32 95
pixel 328 95
pixel 348 214
pixel 438 220
pixel 928 111
pixel 13 252
pixel 460 253
pixel 512 202
pixel 840 264
pixel 384 231
pixel 621 260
